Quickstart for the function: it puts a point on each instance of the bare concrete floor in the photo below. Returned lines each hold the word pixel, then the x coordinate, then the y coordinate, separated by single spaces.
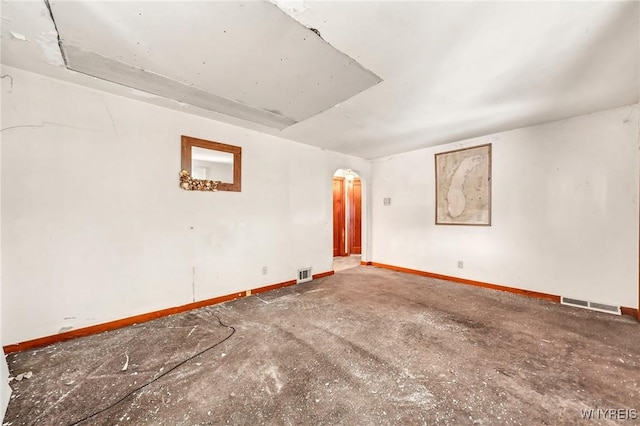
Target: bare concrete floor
pixel 341 263
pixel 365 346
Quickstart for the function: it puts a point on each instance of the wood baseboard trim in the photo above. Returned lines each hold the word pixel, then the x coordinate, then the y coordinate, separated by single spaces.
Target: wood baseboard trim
pixel 137 319
pixel 534 294
pixel 323 274
pixel 630 311
pixel 272 287
pixel 366 263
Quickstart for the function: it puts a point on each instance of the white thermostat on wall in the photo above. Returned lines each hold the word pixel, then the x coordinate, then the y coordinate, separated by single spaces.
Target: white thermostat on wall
pixel 387 201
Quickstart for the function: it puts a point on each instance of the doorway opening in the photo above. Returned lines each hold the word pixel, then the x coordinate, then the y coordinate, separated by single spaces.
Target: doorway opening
pixel 347 219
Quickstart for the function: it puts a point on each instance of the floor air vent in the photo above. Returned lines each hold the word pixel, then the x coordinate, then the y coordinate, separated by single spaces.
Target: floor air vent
pixel 601 307
pixel 304 275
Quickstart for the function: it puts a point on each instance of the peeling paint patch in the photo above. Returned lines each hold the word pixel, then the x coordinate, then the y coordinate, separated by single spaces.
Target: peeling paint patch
pixel 315 30
pixel 48 41
pixel 291 6
pixel 18 36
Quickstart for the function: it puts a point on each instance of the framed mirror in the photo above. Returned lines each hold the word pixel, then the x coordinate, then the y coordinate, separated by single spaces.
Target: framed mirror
pixel 212 161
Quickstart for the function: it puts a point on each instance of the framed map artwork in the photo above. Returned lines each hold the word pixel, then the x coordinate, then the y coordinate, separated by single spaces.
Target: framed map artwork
pixel 463 186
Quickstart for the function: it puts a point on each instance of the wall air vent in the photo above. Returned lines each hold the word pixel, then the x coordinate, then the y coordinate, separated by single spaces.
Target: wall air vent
pixel 304 275
pixel 594 306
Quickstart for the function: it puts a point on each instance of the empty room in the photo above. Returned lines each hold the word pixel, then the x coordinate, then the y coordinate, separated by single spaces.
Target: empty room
pixel 320 212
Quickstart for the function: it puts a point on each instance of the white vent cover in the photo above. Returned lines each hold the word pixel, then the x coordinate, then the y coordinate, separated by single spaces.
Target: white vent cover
pixel 304 275
pixel 594 306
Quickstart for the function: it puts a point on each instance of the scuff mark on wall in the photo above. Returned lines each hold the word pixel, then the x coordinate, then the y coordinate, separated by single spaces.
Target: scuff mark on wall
pixel 10 81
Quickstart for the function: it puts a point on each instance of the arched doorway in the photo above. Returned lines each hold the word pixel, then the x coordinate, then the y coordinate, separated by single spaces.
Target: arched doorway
pixel 347 219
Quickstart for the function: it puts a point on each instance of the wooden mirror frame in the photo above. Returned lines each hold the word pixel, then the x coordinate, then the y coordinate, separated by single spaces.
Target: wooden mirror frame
pixel 188 142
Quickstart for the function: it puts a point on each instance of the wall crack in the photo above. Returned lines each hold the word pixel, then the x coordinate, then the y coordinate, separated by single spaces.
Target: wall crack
pixel 44 124
pixel 113 123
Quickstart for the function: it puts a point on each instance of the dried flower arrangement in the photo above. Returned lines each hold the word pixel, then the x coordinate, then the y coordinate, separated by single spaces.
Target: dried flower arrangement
pixel 191 184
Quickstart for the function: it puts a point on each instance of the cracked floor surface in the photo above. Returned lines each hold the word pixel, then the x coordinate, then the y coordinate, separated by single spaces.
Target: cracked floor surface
pixel 364 346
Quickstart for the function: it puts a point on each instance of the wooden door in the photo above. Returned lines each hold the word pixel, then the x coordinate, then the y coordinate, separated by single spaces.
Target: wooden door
pixel 338 217
pixel 355 217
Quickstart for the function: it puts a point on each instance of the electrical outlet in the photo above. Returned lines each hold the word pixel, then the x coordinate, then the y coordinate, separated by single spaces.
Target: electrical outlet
pixel 264 270
pixel 460 264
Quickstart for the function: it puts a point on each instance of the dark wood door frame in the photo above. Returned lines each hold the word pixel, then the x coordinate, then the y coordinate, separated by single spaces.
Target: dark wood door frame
pixel 355 216
pixel 338 217
pixel 347 201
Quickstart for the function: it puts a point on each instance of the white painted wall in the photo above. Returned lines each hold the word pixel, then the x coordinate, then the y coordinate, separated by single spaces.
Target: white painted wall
pixel 93 229
pixel 565 211
pixel 5 390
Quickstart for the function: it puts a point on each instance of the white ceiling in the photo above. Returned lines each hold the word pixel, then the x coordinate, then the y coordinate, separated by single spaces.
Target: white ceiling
pixel 293 75
pixel 449 70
